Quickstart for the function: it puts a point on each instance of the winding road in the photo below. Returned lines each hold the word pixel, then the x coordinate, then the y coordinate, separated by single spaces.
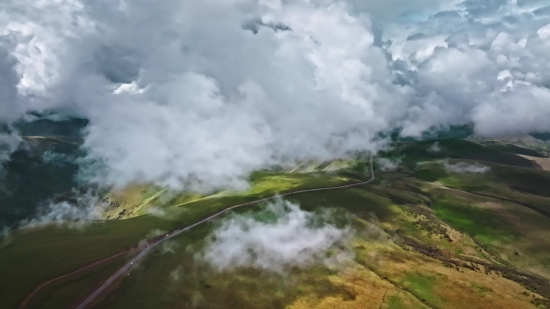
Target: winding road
pixel 176 232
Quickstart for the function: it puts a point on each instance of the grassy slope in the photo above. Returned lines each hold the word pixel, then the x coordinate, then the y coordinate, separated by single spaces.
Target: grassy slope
pixel 241 289
pixel 137 200
pixel 528 187
pixel 503 219
pixel 458 149
pixel 496 218
pixel 511 148
pixel 65 293
pixel 514 224
pixel 31 256
pixel 383 275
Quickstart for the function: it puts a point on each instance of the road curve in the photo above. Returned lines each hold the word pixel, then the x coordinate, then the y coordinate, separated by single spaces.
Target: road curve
pixel 176 232
pixel 29 297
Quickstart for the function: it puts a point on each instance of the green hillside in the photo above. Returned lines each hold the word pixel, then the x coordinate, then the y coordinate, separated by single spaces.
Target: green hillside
pixel 465 226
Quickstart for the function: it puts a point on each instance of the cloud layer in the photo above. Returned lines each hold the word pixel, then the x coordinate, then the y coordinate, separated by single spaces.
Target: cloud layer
pixel 286 237
pixel 200 93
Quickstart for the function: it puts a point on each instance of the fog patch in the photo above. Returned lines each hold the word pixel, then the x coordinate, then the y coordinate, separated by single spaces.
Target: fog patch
pixel 155 233
pixel 279 237
pixel 157 212
pixel 434 148
pixel 76 211
pixel 151 234
pixel 56 158
pixel 463 167
pixel 176 274
pixel 373 230
pixel 386 164
pixel 8 144
pixel 422 163
pixel 4 232
pixel 6 237
pixel 169 246
pixel 196 299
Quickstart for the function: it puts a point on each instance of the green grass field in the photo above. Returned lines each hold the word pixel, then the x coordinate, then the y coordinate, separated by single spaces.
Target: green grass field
pixel 513 148
pixel 413 152
pixel 39 254
pixel 422 286
pixel 482 224
pixel 66 292
pixel 423 237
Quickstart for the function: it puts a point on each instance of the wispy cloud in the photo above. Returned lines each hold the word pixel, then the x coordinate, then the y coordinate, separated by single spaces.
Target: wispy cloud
pixel 464 167
pixel 157 212
pixel 76 211
pixel 280 236
pixel 9 141
pixel 387 164
pixel 434 148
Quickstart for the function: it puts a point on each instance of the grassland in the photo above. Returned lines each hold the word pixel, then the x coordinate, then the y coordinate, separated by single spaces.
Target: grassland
pixel 30 256
pixel 425 237
pixel 137 200
pixel 384 273
pixel 66 292
pixel 414 152
pixel 511 148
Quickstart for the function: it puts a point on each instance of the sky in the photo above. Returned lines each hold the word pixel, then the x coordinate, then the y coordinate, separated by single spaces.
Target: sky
pixel 197 94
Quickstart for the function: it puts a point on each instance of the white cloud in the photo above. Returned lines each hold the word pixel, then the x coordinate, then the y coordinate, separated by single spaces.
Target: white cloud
pixel 77 211
pixel 5 236
pixel 180 94
pixel 291 237
pixel 169 246
pixel 434 148
pixel 463 167
pixel 155 233
pixel 544 32
pixel 386 164
pixel 157 212
pixel 57 158
pixel 8 144
pixel 176 274
pixel 5 232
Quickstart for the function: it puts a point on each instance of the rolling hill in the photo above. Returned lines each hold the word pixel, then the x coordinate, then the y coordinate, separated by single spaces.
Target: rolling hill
pixel 455 224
